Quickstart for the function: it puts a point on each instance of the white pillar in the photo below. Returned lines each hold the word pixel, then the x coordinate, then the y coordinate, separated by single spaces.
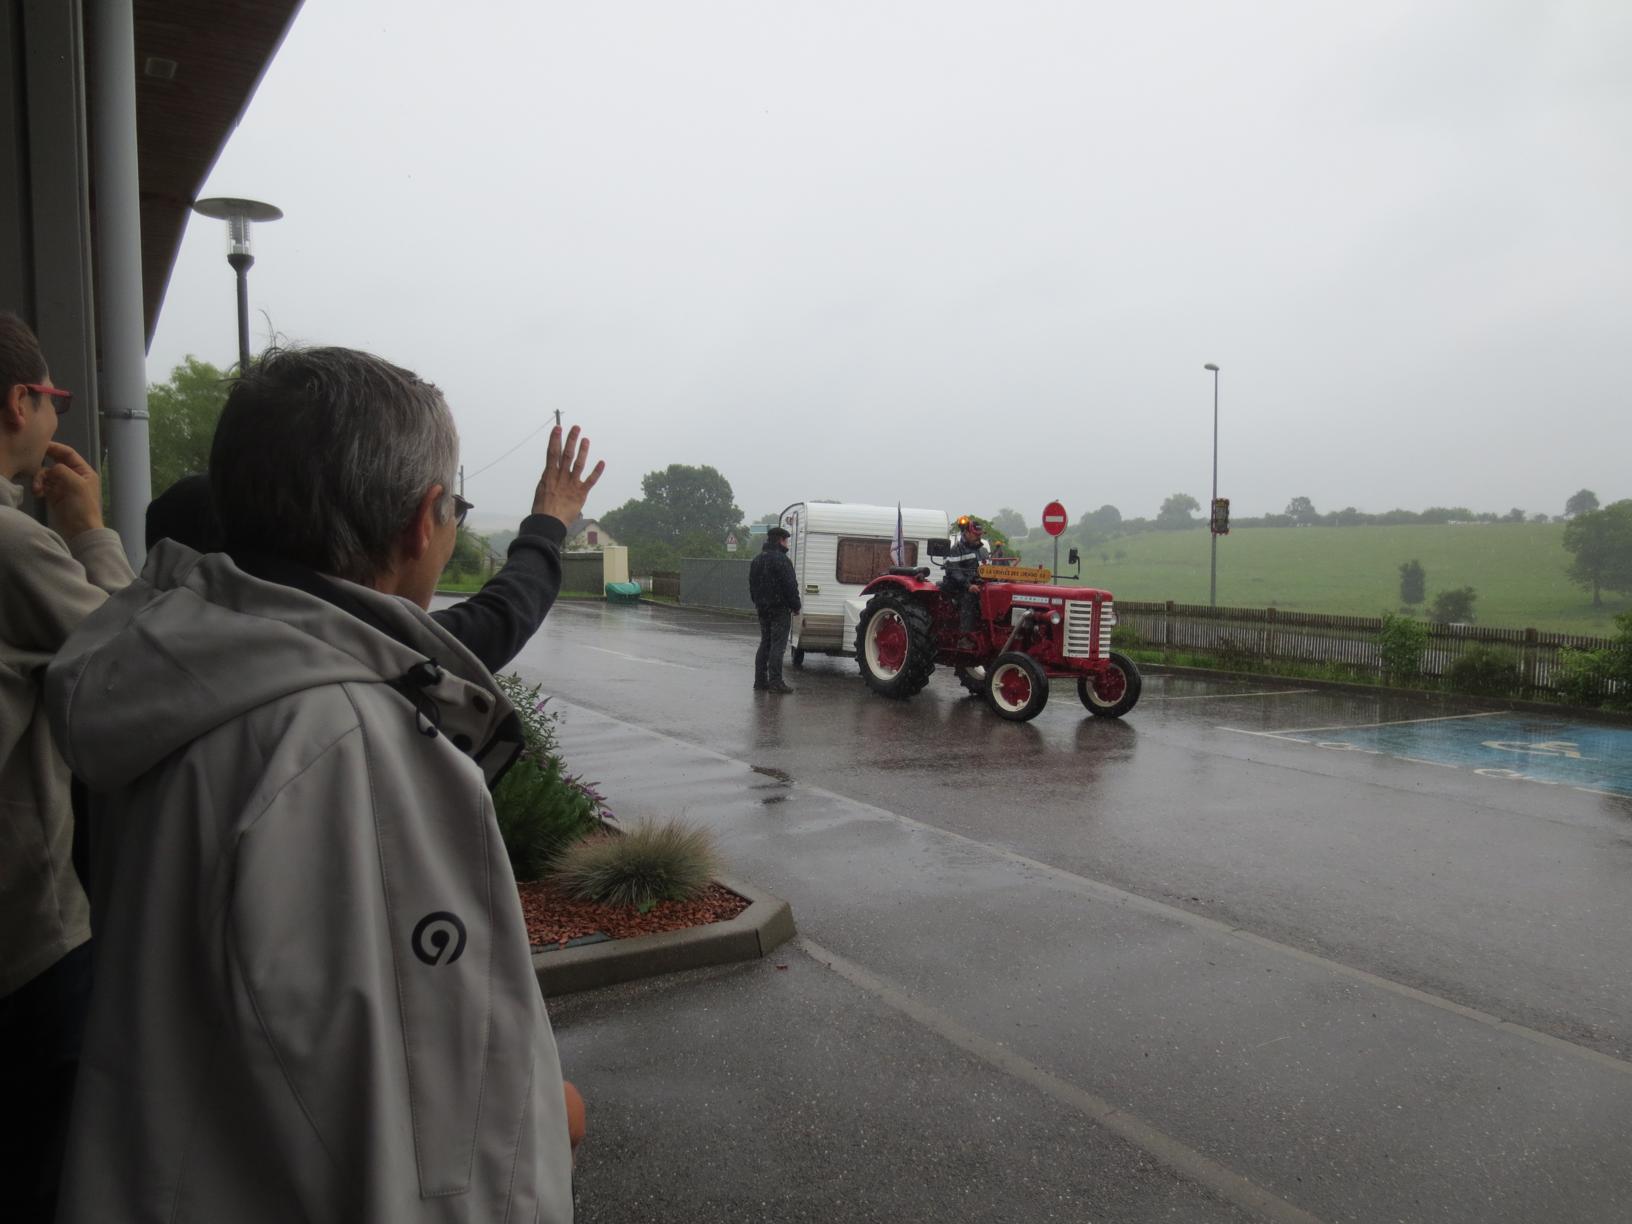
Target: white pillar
pixel 111 36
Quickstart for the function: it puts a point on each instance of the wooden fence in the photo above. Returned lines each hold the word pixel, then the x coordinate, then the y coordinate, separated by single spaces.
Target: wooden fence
pixel 1351 641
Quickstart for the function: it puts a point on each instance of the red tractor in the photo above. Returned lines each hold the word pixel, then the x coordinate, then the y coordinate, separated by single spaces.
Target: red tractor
pixel 1028 632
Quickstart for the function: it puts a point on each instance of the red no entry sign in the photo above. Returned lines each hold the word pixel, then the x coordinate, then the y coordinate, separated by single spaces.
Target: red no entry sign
pixel 1054 520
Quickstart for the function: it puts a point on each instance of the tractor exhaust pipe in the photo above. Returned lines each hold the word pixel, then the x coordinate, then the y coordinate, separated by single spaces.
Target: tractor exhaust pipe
pixel 1025 619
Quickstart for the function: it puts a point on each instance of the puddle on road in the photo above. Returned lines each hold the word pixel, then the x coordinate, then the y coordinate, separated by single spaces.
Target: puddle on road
pixel 780 781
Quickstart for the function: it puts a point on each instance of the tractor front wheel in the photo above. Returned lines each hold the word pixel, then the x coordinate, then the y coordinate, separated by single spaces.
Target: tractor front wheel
pixel 1114 691
pixel 973 679
pixel 894 647
pixel 1016 687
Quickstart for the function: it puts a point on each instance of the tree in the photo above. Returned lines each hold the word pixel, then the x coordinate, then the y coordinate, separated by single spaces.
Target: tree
pixel 1583 502
pixel 1009 522
pixel 768 520
pixel 1177 510
pixel 1514 515
pixel 1601 542
pixel 1454 607
pixel 1103 521
pixel 182 415
pixel 1413 583
pixel 1302 511
pixel 681 502
pixel 470 554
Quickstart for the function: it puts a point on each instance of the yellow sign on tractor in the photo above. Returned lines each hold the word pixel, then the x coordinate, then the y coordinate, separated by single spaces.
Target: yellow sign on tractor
pixel 1016 573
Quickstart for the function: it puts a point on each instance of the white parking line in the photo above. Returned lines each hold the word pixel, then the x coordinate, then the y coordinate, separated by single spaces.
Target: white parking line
pixel 1280 735
pixel 1176 1155
pixel 1420 761
pixel 1226 696
pixel 1395 722
pixel 640 658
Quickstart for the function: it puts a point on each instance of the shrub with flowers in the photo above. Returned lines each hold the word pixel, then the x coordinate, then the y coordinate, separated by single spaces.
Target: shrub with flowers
pixel 541 808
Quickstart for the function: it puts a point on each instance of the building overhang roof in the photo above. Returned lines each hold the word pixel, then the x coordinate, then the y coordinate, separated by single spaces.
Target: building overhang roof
pixel 220 50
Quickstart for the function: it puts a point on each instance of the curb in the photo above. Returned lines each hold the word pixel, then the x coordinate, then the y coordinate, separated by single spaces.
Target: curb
pixel 664 603
pixel 764 925
pixel 1592 713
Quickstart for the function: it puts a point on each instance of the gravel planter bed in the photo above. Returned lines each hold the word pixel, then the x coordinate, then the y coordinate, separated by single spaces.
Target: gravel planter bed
pixel 554 918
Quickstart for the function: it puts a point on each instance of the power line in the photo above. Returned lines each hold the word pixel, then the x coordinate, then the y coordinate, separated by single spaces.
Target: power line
pixel 512 450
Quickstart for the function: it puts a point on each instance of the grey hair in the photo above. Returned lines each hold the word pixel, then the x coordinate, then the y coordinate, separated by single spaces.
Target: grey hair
pixel 323 455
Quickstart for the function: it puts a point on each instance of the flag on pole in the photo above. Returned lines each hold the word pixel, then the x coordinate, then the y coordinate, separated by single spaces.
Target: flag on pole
pixel 898 546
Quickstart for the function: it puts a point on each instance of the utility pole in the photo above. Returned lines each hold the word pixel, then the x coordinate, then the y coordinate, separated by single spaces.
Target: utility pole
pixel 1212 509
pixel 461 480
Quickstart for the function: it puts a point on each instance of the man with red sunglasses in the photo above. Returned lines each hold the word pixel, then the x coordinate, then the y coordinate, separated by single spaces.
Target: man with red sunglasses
pixel 51 578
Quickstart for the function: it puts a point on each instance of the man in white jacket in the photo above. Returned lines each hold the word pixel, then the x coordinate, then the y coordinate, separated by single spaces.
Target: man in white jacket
pixel 314 996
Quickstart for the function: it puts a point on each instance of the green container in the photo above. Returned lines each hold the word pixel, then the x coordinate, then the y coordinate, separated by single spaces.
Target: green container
pixel 623 592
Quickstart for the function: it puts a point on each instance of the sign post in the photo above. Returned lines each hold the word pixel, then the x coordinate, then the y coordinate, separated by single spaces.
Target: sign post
pixel 1054 522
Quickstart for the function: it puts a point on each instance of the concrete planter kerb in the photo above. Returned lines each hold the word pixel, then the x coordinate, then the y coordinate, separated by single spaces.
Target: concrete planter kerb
pixel 763 926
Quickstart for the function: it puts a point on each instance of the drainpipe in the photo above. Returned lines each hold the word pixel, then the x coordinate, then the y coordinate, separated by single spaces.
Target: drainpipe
pixel 111 37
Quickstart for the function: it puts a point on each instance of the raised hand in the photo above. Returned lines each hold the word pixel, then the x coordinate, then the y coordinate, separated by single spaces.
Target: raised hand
pixel 563 487
pixel 71 490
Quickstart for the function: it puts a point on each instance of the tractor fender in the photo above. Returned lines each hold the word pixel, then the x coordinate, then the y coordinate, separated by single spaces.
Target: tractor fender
pixel 898 582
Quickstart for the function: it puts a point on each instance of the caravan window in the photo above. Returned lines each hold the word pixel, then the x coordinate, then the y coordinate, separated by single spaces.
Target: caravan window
pixel 860 561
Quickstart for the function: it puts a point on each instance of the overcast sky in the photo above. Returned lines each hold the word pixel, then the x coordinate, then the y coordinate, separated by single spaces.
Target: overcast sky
pixel 965 255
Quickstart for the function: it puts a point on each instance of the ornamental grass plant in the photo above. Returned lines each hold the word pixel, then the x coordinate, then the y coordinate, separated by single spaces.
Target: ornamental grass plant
pixel 654 861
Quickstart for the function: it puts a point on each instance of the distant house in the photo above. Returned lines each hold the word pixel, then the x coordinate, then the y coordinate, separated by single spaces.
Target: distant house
pixel 587 535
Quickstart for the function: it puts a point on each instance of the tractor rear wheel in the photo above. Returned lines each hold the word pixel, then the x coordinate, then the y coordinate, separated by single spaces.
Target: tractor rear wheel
pixel 894 647
pixel 1114 691
pixel 1016 687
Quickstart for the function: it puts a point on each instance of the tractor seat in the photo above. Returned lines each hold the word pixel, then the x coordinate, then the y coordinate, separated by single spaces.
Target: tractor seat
pixel 907 571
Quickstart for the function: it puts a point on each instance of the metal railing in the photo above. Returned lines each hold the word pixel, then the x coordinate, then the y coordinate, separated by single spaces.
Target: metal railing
pixel 1349 641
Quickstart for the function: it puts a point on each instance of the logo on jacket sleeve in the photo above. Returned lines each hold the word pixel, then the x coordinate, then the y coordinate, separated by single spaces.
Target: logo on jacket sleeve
pixel 434 933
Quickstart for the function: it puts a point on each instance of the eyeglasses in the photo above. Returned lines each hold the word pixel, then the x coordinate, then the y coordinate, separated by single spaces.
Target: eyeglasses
pixel 64 400
pixel 461 507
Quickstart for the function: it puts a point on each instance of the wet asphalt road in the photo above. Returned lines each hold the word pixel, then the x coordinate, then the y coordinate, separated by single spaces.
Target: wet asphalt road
pixel 1291 954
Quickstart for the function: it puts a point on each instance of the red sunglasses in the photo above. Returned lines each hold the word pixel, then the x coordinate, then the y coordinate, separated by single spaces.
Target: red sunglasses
pixel 64 399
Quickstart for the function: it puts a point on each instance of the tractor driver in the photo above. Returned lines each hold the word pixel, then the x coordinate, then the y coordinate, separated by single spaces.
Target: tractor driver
pixel 969 552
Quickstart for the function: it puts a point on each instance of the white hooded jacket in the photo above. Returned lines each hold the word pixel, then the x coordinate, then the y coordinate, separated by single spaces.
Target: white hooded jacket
pixel 314 996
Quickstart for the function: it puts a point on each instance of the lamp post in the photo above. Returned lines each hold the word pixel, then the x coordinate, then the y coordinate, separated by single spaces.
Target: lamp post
pixel 1212 586
pixel 238 214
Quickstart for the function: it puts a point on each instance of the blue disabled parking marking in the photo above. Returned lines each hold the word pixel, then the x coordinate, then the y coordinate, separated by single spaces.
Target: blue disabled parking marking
pixel 1505 746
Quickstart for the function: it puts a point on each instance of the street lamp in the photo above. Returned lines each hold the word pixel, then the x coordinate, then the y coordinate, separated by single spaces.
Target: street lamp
pixel 238 214
pixel 1212 587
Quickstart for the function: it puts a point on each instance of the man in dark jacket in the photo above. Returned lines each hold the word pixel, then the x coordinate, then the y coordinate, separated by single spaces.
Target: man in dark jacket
pixel 774 588
pixel 962 567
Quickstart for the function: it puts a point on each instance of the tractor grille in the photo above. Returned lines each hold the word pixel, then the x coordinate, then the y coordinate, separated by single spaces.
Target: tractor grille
pixel 1079 630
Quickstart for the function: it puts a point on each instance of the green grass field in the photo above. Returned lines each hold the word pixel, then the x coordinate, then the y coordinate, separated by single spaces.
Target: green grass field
pixel 1517 569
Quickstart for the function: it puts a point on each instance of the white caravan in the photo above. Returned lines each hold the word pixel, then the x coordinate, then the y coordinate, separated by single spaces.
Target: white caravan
pixel 837 548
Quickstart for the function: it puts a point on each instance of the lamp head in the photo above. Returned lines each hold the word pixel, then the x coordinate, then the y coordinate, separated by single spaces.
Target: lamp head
pixel 238 214
pixel 1210 366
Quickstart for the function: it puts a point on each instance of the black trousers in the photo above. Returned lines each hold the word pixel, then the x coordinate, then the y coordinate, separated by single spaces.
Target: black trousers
pixel 961 588
pixel 41 1026
pixel 774 624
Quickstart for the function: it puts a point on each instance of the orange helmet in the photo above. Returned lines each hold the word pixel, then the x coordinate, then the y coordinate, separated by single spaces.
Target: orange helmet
pixel 970 523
